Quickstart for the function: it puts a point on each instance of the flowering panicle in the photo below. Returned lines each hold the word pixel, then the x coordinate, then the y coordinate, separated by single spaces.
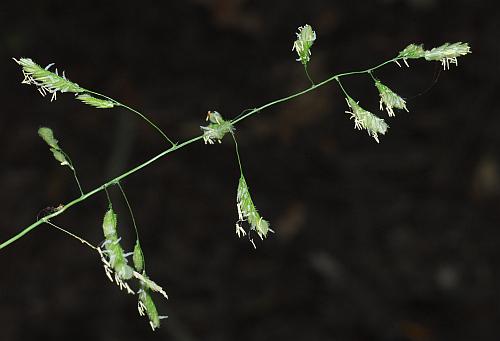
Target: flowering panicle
pixel 248 212
pixel 95 102
pixel 389 98
pixel 216 129
pixel 364 119
pixel 117 269
pixel 46 81
pixel 305 39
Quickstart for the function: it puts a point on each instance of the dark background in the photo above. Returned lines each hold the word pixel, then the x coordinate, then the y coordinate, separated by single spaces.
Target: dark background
pixel 390 241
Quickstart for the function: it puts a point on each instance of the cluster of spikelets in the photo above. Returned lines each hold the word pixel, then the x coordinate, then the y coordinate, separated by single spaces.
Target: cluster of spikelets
pixel 389 100
pixel 247 212
pixel 363 119
pixel 48 82
pixel 48 136
pixel 120 272
pixel 305 39
pixel 216 129
pixel 447 53
pixel 113 257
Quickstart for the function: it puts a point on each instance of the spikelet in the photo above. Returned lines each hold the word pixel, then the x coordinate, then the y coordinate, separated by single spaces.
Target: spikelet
pixel 364 119
pixel 46 81
pixel 145 303
pixel 412 51
pixel 112 256
pixel 448 53
pixel 138 257
pixel 305 39
pixel 48 136
pixel 146 306
pixel 248 212
pixel 389 98
pixel 216 129
pixel 95 102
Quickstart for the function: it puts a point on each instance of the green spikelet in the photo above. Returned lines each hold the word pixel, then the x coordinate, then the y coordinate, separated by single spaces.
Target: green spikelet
pixel 248 212
pixel 95 102
pixel 114 250
pixel 109 225
pixel 138 257
pixel 46 81
pixel 412 51
pixel 147 305
pixel 448 53
pixel 217 128
pixel 48 136
pixel 363 119
pixel 305 39
pixel 390 99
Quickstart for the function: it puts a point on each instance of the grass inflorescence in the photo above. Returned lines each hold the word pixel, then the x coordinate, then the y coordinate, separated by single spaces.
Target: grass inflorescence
pixel 130 274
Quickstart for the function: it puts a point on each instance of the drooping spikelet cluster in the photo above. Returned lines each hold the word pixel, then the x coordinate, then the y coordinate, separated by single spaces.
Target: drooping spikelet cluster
pixel 119 271
pixel 113 257
pixel 389 99
pixel 247 212
pixel 305 39
pixel 363 119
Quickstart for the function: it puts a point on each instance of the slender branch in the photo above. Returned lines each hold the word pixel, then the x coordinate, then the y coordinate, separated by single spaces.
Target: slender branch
pixel 72 235
pixel 175 147
pixel 97 190
pixel 73 169
pixel 341 87
pixel 314 87
pixel 237 153
pixel 134 111
pixel 130 210
pixel 307 74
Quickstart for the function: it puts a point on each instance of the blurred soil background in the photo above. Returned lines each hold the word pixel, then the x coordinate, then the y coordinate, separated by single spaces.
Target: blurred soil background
pixel 391 241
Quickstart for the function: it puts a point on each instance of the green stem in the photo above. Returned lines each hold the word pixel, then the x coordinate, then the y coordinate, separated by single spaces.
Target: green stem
pixel 97 190
pixel 73 169
pixel 175 147
pixel 134 111
pixel 307 74
pixel 237 154
pixel 130 210
pixel 328 80
pixel 342 88
pixel 77 182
